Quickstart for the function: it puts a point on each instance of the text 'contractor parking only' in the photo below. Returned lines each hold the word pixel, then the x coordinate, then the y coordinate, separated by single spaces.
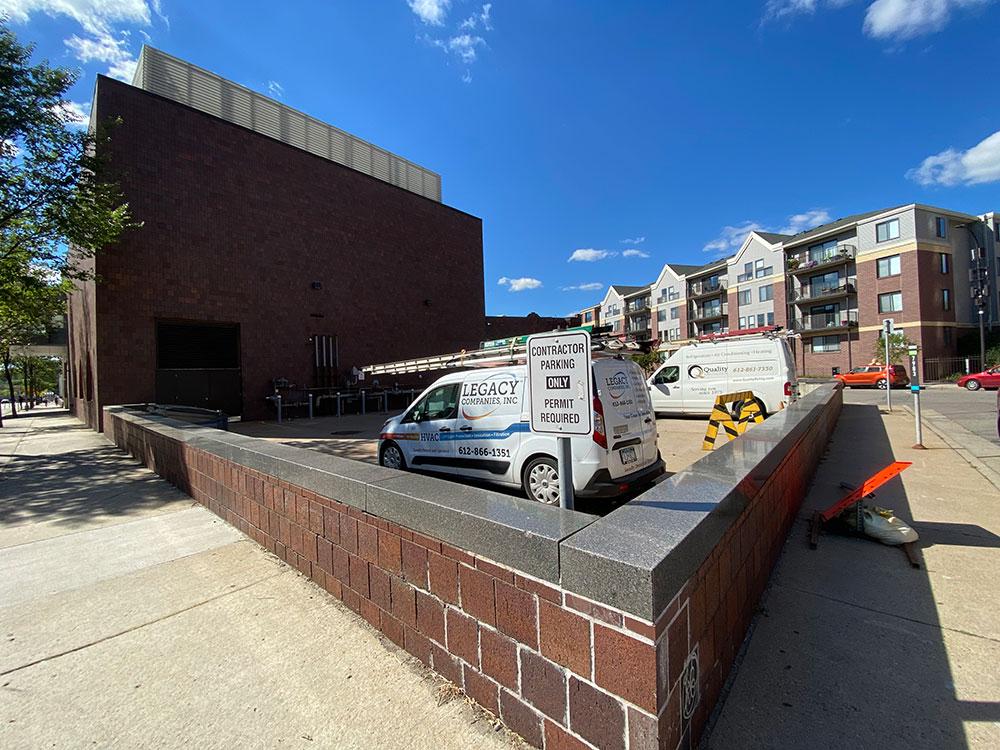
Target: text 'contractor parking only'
pixel 560 382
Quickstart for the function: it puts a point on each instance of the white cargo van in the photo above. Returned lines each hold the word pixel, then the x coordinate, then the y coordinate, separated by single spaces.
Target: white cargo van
pixel 689 381
pixel 475 424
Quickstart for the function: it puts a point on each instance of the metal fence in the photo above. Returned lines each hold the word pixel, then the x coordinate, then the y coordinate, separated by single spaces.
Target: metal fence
pixel 941 368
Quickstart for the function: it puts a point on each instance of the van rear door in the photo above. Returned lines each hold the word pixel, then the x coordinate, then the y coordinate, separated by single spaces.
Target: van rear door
pixel 628 418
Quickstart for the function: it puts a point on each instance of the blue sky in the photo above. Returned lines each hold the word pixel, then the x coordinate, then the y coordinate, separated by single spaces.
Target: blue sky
pixel 665 129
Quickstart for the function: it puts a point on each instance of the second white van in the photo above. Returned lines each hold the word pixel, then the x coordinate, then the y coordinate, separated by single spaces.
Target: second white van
pixel 689 381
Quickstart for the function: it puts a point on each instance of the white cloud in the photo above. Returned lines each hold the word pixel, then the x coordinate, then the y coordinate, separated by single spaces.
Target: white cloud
pixel 98 19
pixel 632 241
pixel 74 113
pixel 801 222
pixel 977 165
pixel 482 18
pixel 589 287
pixel 464 45
pixel 519 285
pixel 896 20
pixel 634 252
pixel 275 89
pixel 431 12
pixel 589 255
pixel 731 237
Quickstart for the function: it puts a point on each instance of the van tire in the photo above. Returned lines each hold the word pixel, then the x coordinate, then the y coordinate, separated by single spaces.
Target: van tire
pixel 541 475
pixel 395 458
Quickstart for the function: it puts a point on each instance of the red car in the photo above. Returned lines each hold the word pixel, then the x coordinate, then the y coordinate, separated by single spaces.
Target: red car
pixel 874 376
pixel 986 379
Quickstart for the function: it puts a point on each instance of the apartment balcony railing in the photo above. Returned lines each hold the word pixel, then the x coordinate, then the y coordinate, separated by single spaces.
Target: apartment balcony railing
pixel 811 292
pixel 800 262
pixel 825 322
pixel 704 288
pixel 664 298
pixel 713 312
pixel 638 306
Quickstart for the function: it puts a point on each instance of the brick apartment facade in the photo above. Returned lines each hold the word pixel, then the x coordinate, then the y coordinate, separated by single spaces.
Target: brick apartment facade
pixel 262 246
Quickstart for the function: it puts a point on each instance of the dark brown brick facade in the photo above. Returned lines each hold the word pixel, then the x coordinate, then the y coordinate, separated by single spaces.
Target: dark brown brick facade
pixel 237 228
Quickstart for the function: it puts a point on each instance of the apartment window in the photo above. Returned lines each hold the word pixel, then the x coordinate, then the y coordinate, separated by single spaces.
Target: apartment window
pixel 748 270
pixel 661 315
pixel 940 226
pixel 765 293
pixel 587 317
pixel 823 251
pixel 826 344
pixel 890 302
pixel 675 313
pixel 946 299
pixel 887 230
pixel 887 266
pixel 945 261
pixel 675 334
pixel 745 296
pixel 743 322
pixel 761 319
pixel 770 318
pixel 715 327
pixel 760 270
pixel 822 283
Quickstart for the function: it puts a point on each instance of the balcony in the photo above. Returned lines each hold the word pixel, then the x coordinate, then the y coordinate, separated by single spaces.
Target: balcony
pixel 637 306
pixel 711 312
pixel 665 298
pixel 820 323
pixel 801 262
pixel 812 292
pixel 706 288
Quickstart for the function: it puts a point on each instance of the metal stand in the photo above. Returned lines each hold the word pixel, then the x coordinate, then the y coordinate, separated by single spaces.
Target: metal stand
pixel 566 499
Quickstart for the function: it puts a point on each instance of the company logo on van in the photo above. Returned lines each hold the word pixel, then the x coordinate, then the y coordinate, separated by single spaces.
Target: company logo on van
pixel 481 398
pixel 617 384
pixel 706 371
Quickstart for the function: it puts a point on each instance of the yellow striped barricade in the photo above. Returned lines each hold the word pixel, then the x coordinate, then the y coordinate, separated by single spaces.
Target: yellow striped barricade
pixel 734 424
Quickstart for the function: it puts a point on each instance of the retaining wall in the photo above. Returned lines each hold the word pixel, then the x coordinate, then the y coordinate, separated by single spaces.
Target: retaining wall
pixel 578 631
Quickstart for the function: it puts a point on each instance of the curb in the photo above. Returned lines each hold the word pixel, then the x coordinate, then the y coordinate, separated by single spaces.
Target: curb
pixel 947 428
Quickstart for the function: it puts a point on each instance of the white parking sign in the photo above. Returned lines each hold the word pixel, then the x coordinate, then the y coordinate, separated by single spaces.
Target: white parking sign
pixel 560 382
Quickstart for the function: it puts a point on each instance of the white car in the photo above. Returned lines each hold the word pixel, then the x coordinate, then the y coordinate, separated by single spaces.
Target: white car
pixel 475 424
pixel 689 381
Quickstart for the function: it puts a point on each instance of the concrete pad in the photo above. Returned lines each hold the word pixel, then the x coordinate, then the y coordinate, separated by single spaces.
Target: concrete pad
pixel 277 664
pixel 29 571
pixel 51 625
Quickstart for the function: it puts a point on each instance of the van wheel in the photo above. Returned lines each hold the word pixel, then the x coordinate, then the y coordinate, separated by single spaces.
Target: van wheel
pixel 392 457
pixel 972 385
pixel 541 480
pixel 881 384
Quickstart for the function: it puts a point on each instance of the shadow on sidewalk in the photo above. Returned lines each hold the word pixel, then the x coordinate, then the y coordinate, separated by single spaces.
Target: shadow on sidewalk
pixel 848 649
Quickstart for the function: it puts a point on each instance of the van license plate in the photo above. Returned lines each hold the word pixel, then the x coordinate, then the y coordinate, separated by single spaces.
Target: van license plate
pixel 627 455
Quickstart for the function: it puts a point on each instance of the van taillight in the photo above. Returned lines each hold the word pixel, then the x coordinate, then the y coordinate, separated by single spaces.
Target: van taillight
pixel 600 437
pixel 788 389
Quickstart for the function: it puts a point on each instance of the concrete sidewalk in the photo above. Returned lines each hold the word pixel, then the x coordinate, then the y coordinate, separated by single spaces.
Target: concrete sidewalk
pixel 132 617
pixel 851 646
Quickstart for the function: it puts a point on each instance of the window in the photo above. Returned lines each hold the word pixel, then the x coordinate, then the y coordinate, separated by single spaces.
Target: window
pixel 745 296
pixel 890 302
pixel 587 317
pixel 770 318
pixel 945 261
pixel 661 315
pixel 823 251
pixel 715 327
pixel 887 230
pixel 667 375
pixel 760 319
pixel 946 299
pixel 826 344
pixel 940 226
pixel 765 292
pixel 822 283
pixel 887 266
pixel 760 271
pixel 440 403
pixel 675 334
pixel 675 313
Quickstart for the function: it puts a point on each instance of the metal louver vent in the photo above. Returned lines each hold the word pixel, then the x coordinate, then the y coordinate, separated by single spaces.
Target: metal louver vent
pixel 167 76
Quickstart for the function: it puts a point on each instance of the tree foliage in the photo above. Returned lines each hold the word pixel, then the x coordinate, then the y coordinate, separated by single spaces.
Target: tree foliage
pixel 899 349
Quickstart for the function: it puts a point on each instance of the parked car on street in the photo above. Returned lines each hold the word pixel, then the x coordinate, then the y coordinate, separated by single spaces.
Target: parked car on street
pixel 873 376
pixel 475 424
pixel 989 378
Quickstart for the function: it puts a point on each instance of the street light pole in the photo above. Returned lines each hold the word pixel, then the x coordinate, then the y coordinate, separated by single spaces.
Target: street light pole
pixel 982 336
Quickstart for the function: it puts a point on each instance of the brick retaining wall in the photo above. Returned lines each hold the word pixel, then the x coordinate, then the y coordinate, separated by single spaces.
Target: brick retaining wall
pixel 561 669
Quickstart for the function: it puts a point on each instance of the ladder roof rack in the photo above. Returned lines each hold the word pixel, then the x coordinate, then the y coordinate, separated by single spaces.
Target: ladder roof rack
pixel 769 331
pixel 497 353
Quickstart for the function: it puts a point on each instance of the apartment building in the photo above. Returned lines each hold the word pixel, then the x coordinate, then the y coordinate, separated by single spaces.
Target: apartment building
pixel 930 270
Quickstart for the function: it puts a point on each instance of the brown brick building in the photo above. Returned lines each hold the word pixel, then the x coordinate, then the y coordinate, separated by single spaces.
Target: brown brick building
pixel 260 260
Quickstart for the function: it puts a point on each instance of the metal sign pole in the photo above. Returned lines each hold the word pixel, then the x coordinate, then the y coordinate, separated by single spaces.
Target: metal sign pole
pixel 566 499
pixel 915 387
pixel 886 332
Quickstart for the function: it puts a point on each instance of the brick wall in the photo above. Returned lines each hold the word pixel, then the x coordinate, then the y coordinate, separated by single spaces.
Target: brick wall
pixel 237 228
pixel 560 669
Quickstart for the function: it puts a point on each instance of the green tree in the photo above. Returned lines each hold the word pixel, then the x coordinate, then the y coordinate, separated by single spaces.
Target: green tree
pixel 648 361
pixel 899 347
pixel 55 191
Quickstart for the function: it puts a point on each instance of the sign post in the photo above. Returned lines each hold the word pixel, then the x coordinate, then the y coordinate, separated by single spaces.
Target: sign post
pixel 915 388
pixel 561 402
pixel 887 330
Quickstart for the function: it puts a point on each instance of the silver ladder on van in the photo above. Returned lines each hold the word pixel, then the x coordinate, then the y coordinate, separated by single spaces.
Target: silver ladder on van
pixel 497 353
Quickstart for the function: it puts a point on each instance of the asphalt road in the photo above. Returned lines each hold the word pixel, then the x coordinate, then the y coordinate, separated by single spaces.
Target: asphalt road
pixel 975 411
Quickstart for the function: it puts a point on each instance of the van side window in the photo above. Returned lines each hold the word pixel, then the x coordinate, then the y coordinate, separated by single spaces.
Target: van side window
pixel 667 375
pixel 441 403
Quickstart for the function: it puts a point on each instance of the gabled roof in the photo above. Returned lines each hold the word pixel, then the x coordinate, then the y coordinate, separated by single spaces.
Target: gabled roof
pixel 681 269
pixel 833 226
pixel 625 291
pixel 773 237
pixel 717 263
